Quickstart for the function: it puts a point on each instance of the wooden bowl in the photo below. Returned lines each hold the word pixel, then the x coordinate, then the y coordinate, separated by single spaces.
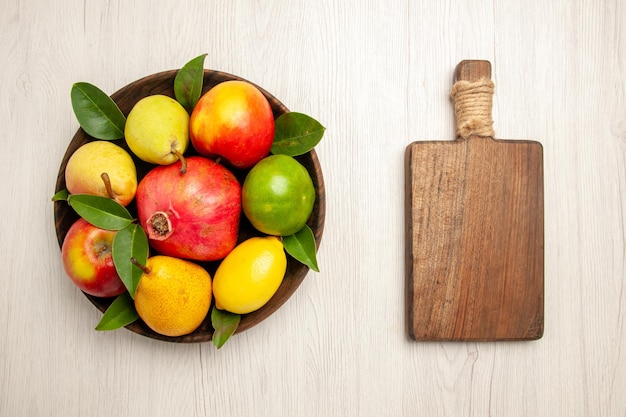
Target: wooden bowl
pixel 163 83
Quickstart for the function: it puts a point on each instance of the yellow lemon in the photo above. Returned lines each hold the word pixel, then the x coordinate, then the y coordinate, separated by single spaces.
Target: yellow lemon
pixel 250 275
pixel 173 296
pixel 157 129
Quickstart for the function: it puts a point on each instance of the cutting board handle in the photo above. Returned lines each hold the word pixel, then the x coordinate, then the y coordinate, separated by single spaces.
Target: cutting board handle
pixel 472 93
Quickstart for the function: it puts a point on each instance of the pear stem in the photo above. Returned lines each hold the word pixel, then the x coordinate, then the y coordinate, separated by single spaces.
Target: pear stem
pixel 181 158
pixel 144 268
pixel 107 184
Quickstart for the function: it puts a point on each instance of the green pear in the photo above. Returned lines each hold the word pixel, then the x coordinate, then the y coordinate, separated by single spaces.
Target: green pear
pixel 157 130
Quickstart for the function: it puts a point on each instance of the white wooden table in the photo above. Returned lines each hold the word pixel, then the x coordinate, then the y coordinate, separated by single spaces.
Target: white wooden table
pixel 377 75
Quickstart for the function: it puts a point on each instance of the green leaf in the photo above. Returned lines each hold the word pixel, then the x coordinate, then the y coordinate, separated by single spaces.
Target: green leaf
pixel 130 242
pixel 296 134
pixel 301 246
pixel 96 112
pixel 225 323
pixel 120 313
pixel 188 82
pixel 102 212
pixel 61 196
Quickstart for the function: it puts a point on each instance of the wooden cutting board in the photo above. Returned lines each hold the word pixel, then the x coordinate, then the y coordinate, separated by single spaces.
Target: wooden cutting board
pixel 474 211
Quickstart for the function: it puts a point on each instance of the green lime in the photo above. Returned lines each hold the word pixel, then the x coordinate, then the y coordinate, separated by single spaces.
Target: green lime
pixel 278 195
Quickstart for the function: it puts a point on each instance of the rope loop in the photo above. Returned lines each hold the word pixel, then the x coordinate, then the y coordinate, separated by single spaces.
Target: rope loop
pixel 472 108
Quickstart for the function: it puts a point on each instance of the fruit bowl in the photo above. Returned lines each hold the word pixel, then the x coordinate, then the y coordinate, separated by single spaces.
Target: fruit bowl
pixel 163 83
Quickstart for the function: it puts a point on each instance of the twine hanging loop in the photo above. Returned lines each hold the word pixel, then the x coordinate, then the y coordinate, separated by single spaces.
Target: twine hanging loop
pixel 472 107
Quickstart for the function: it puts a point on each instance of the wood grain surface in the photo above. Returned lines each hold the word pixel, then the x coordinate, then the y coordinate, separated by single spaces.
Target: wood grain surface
pixel 475 234
pixel 377 76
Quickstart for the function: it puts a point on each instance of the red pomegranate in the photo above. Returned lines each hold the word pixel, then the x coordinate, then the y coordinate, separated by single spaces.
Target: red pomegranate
pixel 192 215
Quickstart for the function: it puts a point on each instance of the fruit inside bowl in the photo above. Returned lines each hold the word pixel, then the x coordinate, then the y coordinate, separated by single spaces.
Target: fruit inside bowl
pixel 202 146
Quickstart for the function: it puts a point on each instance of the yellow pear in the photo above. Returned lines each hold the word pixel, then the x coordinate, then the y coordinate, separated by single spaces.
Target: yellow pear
pixel 85 168
pixel 173 296
pixel 157 130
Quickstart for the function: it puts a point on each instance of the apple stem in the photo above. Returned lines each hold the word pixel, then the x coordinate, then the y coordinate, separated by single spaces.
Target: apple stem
pixel 107 184
pixel 181 158
pixel 144 268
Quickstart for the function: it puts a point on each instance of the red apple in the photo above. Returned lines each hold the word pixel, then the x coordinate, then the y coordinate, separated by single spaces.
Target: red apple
pixel 233 120
pixel 87 258
pixel 192 215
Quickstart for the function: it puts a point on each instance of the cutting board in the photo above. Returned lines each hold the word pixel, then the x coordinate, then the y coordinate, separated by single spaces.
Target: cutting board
pixel 475 226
